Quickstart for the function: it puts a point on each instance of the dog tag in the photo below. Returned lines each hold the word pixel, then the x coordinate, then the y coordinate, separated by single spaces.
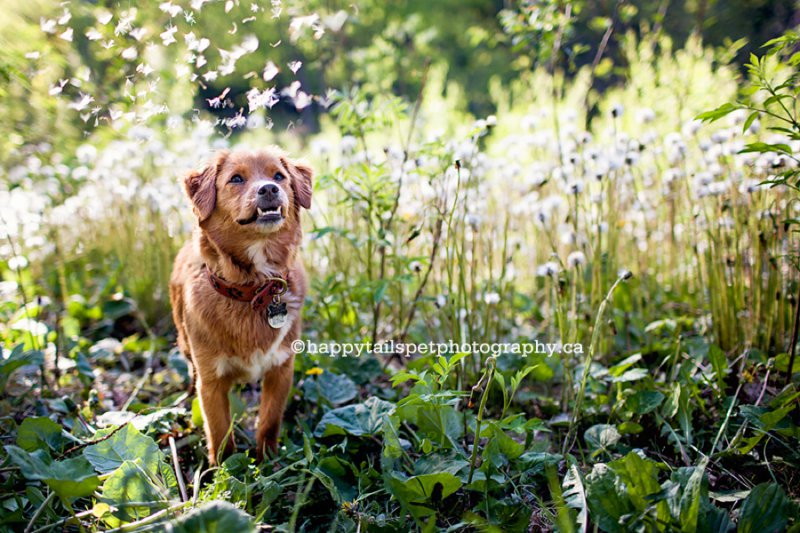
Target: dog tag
pixel 276 314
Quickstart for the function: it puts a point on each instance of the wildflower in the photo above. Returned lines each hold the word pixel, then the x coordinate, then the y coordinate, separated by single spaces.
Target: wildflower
pixel 576 259
pixel 270 71
pixel 646 115
pixel 691 127
pixel 491 298
pixel 491 121
pixel 348 144
pixel 474 221
pixel 550 268
pixel 314 371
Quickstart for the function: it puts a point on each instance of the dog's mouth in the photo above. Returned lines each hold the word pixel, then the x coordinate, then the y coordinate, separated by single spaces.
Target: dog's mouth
pixel 265 215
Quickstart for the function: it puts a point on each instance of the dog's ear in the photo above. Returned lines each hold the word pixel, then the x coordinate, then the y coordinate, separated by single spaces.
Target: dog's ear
pixel 301 181
pixel 201 187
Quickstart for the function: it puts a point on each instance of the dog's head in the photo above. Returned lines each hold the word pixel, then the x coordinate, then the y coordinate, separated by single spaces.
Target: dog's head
pixel 251 194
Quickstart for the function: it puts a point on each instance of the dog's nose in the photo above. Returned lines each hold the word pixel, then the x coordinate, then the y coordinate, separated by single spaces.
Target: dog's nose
pixel 269 190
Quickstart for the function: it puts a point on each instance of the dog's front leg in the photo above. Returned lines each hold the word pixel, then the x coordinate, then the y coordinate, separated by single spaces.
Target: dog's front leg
pixel 275 389
pixel 213 393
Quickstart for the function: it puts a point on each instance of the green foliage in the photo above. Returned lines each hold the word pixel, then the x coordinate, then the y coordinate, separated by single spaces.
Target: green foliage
pixel 430 225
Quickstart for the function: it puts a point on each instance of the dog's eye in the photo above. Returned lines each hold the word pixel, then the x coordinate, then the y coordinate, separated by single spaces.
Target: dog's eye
pixel 279 177
pixel 236 179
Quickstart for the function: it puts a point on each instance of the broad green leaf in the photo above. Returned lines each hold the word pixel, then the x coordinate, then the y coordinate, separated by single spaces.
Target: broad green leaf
pixel 422 494
pixel 691 497
pixel 641 482
pixel 358 420
pixel 601 437
pixel 127 444
pixel 644 401
pixel 335 388
pixel 608 501
pixel 40 433
pixel 16 359
pixel 214 517
pixel 131 483
pixel 766 509
pixel 333 472
pixel 70 479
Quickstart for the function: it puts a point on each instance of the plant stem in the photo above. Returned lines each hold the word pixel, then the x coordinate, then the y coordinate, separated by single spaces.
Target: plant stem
pixel 491 364
pixel 588 360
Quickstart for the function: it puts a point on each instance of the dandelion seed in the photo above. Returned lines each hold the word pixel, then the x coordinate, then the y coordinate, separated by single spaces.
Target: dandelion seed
pixel 47 25
pixel 691 127
pixel 625 274
pixel 617 110
pixel 548 269
pixel 441 300
pixel 250 44
pixel 257 99
pixel 491 298
pixel 302 100
pixel 83 103
pixel 415 266
pixel 336 21
pixel 576 259
pixel 646 115
pixel 270 71
pixel 104 17
pixel 168 36
pixel 58 87
pixel 473 221
pixel 169 7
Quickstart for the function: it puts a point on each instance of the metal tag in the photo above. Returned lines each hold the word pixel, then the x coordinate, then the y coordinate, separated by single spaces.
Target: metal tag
pixel 276 314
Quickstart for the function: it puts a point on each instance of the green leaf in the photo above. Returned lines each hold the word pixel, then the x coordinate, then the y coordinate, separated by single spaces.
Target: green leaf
pixel 131 483
pixel 422 494
pixel 760 147
pixel 692 495
pixel 644 401
pixel 127 444
pixel 749 122
pixel 719 362
pixel 608 501
pixel 335 388
pixel 40 433
pixel 70 479
pixel 214 517
pixel 601 437
pixel 718 113
pixel 358 420
pixel 575 496
pixel 16 359
pixel 641 482
pixel 766 509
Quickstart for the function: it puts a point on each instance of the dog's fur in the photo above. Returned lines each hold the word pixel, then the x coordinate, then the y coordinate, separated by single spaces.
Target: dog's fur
pixel 226 340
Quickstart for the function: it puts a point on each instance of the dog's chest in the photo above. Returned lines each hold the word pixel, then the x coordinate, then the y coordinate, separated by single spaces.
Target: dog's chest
pixel 254 346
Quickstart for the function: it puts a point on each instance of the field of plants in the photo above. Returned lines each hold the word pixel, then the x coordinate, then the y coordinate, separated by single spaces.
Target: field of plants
pixel 489 175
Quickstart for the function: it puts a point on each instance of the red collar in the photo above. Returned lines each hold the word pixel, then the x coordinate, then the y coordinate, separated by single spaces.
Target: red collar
pixel 259 296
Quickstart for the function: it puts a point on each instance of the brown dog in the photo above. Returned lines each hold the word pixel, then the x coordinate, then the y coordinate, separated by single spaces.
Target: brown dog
pixel 238 286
